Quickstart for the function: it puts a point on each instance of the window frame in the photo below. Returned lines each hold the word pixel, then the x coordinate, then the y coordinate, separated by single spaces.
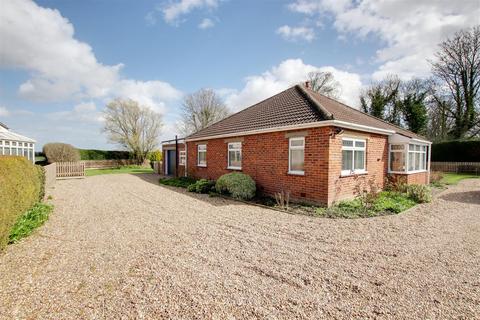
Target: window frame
pixel 290 148
pixel 407 153
pixel 198 155
pixel 182 157
pixel 354 148
pixel 234 150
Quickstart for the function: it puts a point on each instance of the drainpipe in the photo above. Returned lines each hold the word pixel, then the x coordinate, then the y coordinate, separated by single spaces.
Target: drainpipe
pixel 186 158
pixel 429 160
pixel 176 157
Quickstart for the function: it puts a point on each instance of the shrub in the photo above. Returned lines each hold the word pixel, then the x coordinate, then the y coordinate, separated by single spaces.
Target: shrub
pixel 41 178
pixel 456 151
pixel 60 152
pixel 20 189
pixel 238 185
pixel 155 155
pixel 394 202
pixel 29 221
pixel 92 154
pixel 202 186
pixel 419 193
pixel 181 182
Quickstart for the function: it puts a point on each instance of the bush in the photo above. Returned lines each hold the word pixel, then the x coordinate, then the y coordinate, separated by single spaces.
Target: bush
pixel 238 185
pixel 181 182
pixel 21 188
pixel 92 154
pixel 202 186
pixel 29 221
pixel 392 202
pixel 456 151
pixel 60 152
pixel 41 178
pixel 155 155
pixel 419 193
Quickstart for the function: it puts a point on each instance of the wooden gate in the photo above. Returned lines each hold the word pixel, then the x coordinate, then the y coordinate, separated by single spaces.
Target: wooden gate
pixel 70 170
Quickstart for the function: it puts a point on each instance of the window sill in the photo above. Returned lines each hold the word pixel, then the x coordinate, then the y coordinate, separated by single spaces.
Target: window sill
pixel 202 165
pixel 408 172
pixel 355 173
pixel 296 173
pixel 235 168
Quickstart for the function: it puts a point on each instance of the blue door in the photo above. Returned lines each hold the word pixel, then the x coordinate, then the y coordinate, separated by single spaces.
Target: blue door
pixel 171 161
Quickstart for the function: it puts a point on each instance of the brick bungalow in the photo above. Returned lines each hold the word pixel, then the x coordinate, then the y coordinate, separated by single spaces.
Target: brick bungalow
pixel 312 146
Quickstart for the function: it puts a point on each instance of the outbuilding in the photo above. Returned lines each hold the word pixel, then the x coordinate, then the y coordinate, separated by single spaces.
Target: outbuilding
pixel 14 144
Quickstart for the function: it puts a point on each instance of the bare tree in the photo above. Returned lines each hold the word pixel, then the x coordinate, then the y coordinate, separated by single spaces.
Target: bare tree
pixel 324 83
pixel 134 127
pixel 380 99
pixel 201 109
pixel 457 66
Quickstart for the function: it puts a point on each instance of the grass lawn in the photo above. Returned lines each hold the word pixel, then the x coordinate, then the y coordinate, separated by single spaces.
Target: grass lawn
pixel 454 178
pixel 126 169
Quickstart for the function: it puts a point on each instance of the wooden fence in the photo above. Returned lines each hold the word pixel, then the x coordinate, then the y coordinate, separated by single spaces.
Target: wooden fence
pixel 458 167
pixel 50 175
pixel 104 164
pixel 70 169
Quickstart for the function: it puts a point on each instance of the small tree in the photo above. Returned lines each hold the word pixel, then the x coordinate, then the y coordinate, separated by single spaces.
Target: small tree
pixel 60 152
pixel 134 127
pixel 380 99
pixel 324 83
pixel 412 104
pixel 201 109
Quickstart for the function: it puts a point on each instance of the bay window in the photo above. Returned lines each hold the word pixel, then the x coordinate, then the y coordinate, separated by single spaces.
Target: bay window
pixel 235 155
pixel 353 156
pixel 296 155
pixel 408 157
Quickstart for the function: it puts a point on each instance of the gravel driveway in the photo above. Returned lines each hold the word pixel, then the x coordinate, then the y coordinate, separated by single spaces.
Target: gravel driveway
pixel 122 246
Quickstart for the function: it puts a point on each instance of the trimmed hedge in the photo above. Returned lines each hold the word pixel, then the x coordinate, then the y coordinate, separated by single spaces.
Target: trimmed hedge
pixel 92 154
pixel 456 151
pixel 238 185
pixel 21 188
pixel 60 152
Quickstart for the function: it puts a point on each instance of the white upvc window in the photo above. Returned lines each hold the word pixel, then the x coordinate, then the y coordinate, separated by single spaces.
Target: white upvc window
pixel 353 156
pixel 296 155
pixel 417 158
pixel 202 155
pixel 234 155
pixel 183 157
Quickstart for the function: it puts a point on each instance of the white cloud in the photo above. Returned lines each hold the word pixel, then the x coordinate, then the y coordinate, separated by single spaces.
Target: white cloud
pixel 296 33
pixel 62 68
pixel 206 23
pixel 174 10
pixel 83 112
pixel 4 112
pixel 410 29
pixel 286 74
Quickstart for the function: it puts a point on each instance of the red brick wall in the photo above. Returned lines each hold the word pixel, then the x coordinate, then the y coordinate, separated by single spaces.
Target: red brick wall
pixel 265 159
pixel 341 188
pixel 413 178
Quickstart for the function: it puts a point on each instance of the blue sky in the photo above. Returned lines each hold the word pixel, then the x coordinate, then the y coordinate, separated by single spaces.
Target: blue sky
pixel 62 61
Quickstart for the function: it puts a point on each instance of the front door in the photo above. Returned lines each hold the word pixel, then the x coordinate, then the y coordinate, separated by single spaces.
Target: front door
pixel 171 161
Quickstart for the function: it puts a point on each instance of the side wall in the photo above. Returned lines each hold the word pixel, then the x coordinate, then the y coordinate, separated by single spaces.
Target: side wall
pixel 343 187
pixel 181 168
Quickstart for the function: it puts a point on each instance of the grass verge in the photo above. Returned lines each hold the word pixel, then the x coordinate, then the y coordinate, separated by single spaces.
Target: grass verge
pixel 124 169
pixel 29 221
pixel 454 178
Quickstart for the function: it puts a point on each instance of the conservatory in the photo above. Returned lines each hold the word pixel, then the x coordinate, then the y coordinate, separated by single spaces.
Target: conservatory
pixel 408 155
pixel 13 144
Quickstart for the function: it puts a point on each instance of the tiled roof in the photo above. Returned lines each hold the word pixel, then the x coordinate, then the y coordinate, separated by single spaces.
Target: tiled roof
pixel 294 106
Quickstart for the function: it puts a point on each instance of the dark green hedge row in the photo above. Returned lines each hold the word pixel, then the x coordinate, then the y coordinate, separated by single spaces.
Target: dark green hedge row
pixel 456 151
pixel 91 154
pixel 21 187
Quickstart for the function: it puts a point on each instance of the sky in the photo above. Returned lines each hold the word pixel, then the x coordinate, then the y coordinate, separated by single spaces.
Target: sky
pixel 62 61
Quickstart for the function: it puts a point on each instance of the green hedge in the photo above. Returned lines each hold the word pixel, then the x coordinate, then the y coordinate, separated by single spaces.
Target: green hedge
pixel 456 151
pixel 92 154
pixel 21 188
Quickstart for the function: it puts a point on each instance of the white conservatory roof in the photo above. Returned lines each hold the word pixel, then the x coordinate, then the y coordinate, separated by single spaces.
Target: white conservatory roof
pixel 6 134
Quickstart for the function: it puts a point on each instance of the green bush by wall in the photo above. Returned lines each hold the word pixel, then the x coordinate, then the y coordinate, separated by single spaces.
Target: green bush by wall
pixel 92 154
pixel 238 185
pixel 20 189
pixel 456 151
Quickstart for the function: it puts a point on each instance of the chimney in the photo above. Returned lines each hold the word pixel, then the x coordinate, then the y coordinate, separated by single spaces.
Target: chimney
pixel 307 84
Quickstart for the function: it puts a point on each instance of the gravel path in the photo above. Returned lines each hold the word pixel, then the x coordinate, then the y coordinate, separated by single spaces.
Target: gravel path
pixel 122 246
